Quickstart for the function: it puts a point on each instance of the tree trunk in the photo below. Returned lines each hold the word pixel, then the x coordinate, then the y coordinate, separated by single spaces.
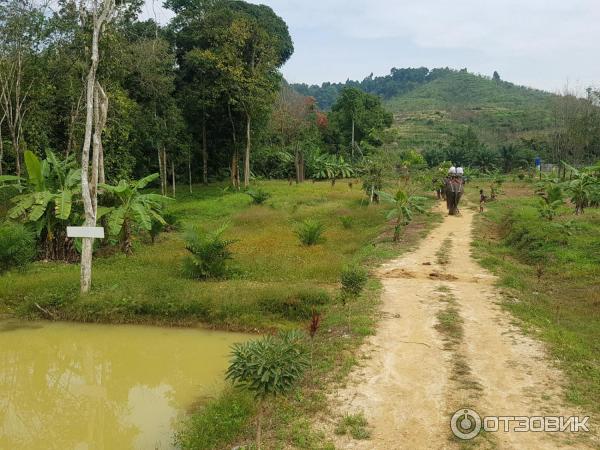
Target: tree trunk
pixel 127 245
pixel 247 154
pixel 297 164
pixel 204 154
pixel 352 149
pixel 165 168
pixel 190 171
pixel 235 169
pixel 89 203
pixel 1 145
pixel 100 116
pixel 160 171
pixel 173 176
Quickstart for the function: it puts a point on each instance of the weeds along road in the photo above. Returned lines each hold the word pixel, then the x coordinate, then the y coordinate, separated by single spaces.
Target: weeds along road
pixel 444 343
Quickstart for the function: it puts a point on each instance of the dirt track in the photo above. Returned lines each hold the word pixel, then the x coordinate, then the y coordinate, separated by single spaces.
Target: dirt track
pixel 414 377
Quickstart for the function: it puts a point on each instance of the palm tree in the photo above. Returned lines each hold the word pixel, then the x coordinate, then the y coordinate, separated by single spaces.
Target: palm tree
pixel 133 209
pixel 404 207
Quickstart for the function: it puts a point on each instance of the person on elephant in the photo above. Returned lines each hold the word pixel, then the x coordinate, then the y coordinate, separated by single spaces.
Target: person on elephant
pixel 454 187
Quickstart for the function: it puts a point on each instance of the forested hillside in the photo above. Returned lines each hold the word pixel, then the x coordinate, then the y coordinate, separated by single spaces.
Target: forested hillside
pixel 440 108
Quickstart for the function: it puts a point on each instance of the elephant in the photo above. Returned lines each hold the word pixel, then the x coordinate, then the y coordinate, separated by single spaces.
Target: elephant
pixel 454 188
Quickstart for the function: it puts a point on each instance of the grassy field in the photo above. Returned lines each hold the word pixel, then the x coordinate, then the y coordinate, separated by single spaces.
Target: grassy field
pixel 549 272
pixel 269 263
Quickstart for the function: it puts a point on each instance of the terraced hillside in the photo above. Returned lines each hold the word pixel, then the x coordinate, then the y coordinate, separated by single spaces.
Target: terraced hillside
pixel 430 106
pixel 429 114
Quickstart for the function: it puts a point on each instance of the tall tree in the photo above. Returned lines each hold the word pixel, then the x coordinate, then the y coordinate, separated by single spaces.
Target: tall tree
pixel 294 120
pixel 356 115
pixel 99 12
pixel 236 48
pixel 21 37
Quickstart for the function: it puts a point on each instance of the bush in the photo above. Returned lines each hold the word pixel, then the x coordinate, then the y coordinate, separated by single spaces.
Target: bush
pixel 346 221
pixel 310 232
pixel 17 246
pixel 296 305
pixel 259 196
pixel 209 253
pixel 270 365
pixel 354 279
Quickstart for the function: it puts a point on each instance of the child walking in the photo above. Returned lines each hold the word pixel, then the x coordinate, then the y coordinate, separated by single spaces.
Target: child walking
pixel 481 200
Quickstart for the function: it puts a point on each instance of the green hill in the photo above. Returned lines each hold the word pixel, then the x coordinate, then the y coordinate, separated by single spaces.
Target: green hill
pixel 497 110
pixel 430 106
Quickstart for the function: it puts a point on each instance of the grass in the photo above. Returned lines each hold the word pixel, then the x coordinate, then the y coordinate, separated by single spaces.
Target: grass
pixel 443 254
pixel 269 263
pixel 355 425
pixel 275 279
pixel 550 280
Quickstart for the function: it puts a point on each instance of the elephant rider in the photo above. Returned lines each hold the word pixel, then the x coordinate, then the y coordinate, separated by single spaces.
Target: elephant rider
pixel 454 184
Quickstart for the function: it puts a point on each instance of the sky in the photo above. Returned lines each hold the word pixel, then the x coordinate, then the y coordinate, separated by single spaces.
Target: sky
pixel 546 44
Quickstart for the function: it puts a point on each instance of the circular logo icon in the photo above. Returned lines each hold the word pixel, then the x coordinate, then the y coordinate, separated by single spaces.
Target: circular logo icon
pixel 465 424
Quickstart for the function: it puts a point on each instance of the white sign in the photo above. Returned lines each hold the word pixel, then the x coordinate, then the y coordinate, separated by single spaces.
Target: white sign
pixel 86 232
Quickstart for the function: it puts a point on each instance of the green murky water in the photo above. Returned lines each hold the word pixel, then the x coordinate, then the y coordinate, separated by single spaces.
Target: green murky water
pixel 80 386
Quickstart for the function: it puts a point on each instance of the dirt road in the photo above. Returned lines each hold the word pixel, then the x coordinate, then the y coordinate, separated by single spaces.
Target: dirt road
pixel 443 344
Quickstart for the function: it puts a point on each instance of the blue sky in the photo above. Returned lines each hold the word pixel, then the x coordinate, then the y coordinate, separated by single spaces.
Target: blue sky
pixel 540 43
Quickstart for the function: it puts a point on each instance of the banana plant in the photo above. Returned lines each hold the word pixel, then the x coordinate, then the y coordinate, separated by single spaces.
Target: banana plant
pixel 331 167
pixel 584 187
pixel 46 199
pixel 405 206
pixel 133 209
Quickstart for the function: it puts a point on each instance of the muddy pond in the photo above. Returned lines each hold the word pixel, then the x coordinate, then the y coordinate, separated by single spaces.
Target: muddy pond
pixel 88 387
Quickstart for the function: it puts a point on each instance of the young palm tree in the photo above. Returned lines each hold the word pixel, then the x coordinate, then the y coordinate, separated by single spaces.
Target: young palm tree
pixel 404 207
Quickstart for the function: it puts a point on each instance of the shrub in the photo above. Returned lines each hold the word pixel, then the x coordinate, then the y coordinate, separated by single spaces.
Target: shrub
pixel 346 221
pixel 354 279
pixel 310 232
pixel 259 196
pixel 296 305
pixel 17 246
pixel 209 253
pixel 268 367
